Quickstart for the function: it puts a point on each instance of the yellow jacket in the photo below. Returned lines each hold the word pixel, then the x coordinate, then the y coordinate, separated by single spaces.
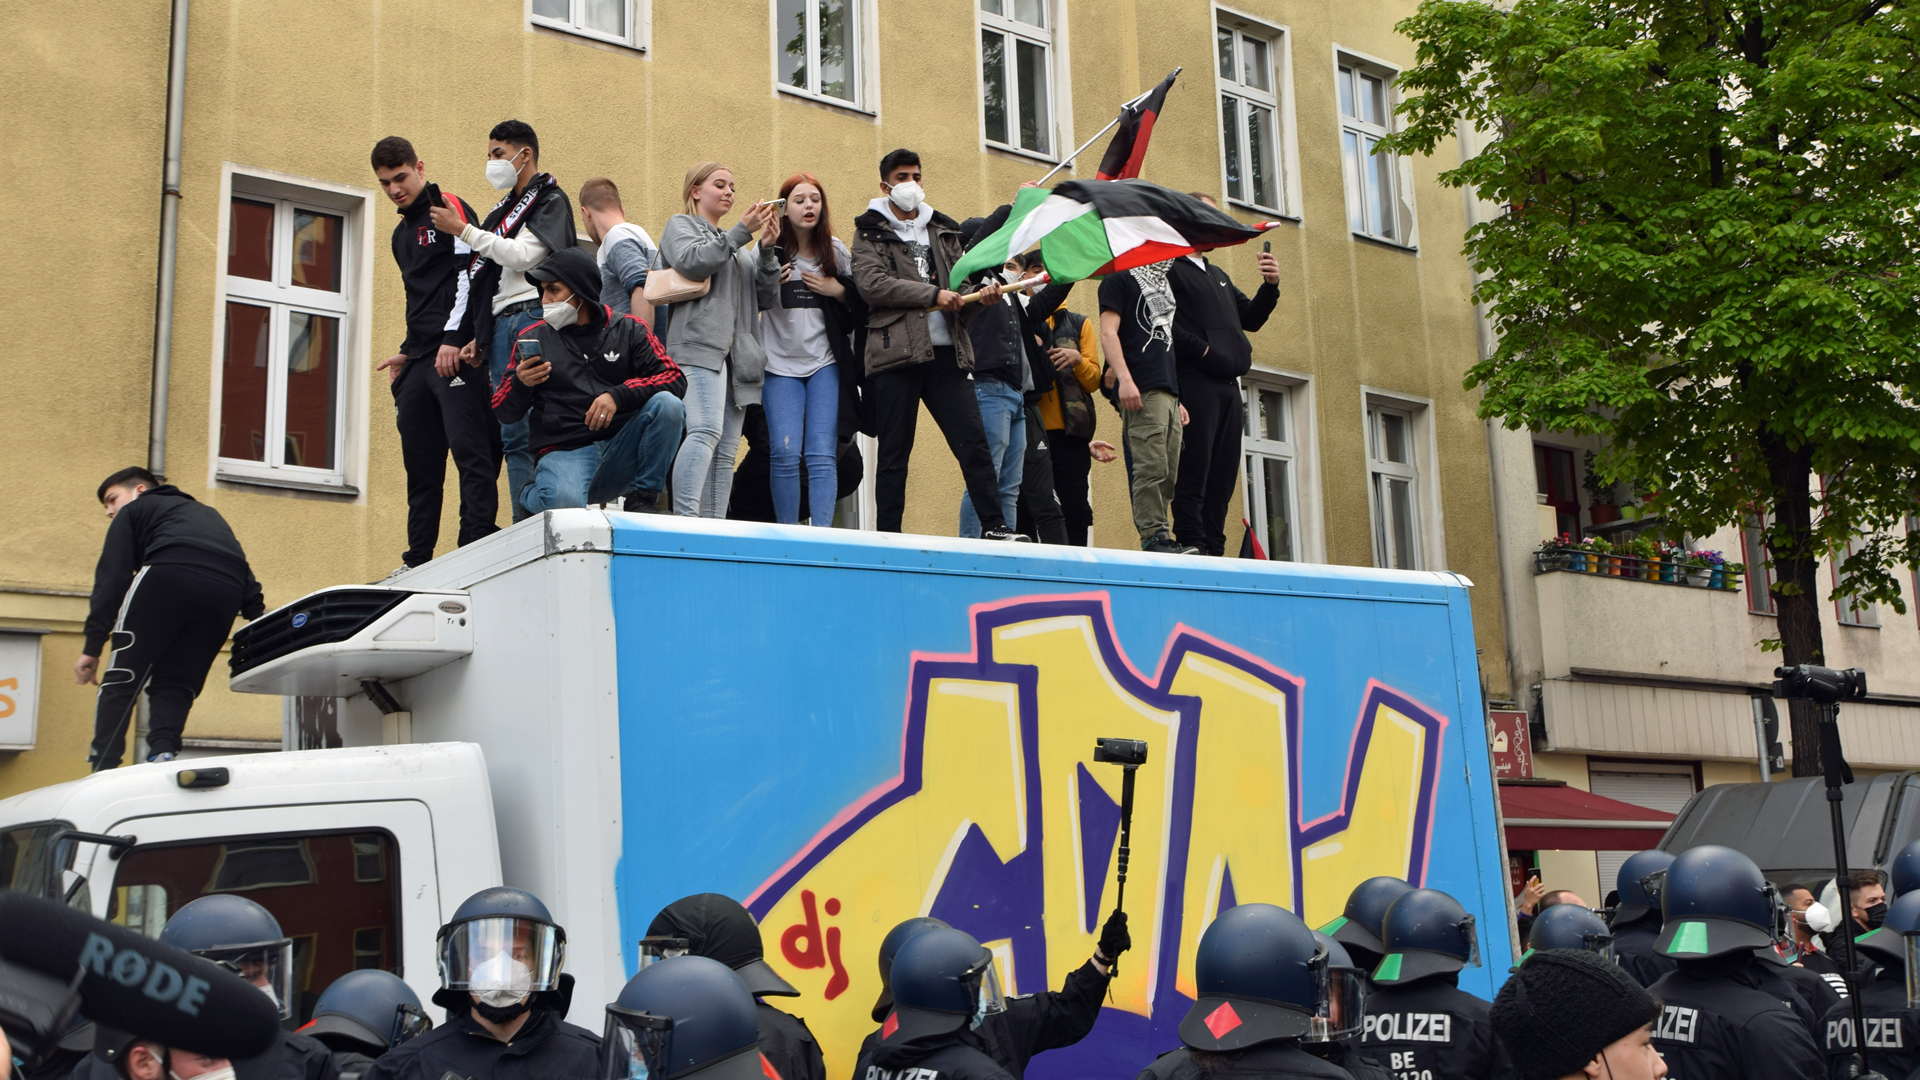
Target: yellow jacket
pixel 1086 372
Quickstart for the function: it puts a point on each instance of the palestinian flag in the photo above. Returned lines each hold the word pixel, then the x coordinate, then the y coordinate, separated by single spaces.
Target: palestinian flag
pixel 1087 228
pixel 1129 145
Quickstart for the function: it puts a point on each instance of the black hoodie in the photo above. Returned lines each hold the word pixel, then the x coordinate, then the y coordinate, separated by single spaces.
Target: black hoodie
pixel 603 354
pixel 433 267
pixel 955 1055
pixel 164 526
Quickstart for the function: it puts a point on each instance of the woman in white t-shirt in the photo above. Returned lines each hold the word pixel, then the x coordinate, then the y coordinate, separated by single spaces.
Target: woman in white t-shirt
pixel 806 336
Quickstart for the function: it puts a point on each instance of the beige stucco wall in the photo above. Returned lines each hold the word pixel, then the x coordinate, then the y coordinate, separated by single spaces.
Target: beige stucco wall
pixel 305 90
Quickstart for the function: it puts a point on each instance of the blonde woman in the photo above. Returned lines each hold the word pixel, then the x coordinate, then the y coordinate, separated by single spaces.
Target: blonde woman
pixel 713 337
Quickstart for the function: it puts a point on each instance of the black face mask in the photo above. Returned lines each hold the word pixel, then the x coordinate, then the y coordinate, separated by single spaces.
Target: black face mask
pixel 501 1014
pixel 1876 914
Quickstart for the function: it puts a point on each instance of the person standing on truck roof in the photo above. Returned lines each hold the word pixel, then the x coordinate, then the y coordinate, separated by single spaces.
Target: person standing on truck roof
pixel 362 1015
pixel 1636 917
pixel 170 580
pixel 1721 1017
pixel 684 1017
pixel 240 935
pixel 1029 1023
pixel 718 928
pixel 439 401
pixel 505 997
pixel 1418 1018
pixel 1572 1015
pixel 1890 1004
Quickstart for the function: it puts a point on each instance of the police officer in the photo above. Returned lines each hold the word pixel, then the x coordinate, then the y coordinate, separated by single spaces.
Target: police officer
pixel 1570 926
pixel 363 1015
pixel 1263 987
pixel 1358 927
pixel 505 997
pixel 118 1055
pixel 1572 1013
pixel 718 928
pixel 1903 873
pixel 1720 1018
pixel 1030 1023
pixel 682 1017
pixel 944 989
pixel 1337 1039
pixel 1890 1004
pixel 1636 919
pixel 235 932
pixel 1419 1020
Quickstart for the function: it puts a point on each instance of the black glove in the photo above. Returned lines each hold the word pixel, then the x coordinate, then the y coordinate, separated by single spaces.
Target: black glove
pixel 1114 938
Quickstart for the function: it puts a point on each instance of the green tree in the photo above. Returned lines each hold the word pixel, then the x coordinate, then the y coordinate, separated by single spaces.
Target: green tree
pixel 1709 255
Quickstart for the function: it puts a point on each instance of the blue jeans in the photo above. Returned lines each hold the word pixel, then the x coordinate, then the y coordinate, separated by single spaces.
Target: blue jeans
pixel 636 458
pixel 803 418
pixel 703 473
pixel 513 437
pixel 1003 409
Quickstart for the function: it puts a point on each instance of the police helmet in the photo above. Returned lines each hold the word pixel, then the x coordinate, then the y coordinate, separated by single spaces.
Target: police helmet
pixel 717 927
pixel 889 947
pixel 239 935
pixel 1715 901
pixel 1358 927
pixel 1569 926
pixel 681 1016
pixel 942 980
pixel 501 941
pixel 1905 870
pixel 1346 995
pixel 1638 884
pixel 1426 932
pixel 374 1008
pixel 1261 976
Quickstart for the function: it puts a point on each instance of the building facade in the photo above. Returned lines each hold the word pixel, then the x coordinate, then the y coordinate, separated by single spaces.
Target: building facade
pixel 1361 447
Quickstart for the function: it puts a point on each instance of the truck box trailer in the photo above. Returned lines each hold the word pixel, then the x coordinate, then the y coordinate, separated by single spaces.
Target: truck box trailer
pixel 840 729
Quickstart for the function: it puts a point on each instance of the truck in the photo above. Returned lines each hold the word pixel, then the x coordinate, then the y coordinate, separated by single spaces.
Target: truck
pixel 1786 827
pixel 840 729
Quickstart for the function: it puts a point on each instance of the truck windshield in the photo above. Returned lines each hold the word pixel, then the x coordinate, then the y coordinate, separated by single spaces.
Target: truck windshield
pixel 27 854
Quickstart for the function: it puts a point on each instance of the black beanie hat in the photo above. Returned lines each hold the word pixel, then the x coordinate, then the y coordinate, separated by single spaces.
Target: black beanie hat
pixel 1562 1007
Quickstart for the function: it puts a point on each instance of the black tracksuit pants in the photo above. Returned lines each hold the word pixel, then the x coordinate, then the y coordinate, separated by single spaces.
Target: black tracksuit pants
pixel 1041 516
pixel 1209 460
pixel 1072 462
pixel 948 393
pixel 435 417
pixel 171 626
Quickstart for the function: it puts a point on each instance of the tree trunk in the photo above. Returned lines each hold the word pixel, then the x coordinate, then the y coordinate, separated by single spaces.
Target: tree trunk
pixel 1796 588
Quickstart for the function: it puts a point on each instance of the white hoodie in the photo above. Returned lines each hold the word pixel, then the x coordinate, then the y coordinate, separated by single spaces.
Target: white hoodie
pixel 914 234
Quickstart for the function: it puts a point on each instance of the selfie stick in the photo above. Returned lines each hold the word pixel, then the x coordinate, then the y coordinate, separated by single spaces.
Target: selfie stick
pixel 1130 756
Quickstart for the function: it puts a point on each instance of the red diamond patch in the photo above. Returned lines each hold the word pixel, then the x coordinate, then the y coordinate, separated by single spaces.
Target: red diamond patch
pixel 892 1025
pixel 1222 1020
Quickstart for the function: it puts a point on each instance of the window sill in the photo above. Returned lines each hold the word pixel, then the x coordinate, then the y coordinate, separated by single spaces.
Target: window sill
pixel 1261 211
pixel 834 103
pixel 288 484
pixel 1858 626
pixel 1380 241
pixel 1023 155
pixel 574 33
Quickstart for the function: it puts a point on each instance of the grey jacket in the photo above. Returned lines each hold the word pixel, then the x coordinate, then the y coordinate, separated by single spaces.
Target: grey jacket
pixel 898 298
pixel 704 333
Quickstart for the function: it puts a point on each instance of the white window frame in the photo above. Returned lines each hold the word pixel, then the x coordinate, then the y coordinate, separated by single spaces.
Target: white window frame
pixel 1405 221
pixel 865 16
pixel 1852 611
pixel 639 24
pixel 1760 576
pixel 1429 539
pixel 1299 450
pixel 1052 37
pixel 351 305
pixel 1279 41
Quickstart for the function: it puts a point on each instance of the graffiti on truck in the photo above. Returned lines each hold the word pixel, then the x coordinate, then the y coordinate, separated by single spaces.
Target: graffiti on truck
pixel 1002 824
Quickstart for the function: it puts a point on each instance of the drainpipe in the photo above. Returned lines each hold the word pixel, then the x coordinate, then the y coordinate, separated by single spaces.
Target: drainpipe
pixel 169 244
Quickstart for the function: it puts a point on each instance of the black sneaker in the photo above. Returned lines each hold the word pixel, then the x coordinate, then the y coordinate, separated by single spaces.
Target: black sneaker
pixel 1167 545
pixel 1001 532
pixel 641 502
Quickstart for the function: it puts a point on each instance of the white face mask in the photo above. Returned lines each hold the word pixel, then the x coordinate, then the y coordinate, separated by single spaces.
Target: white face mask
pixel 1011 277
pixel 907 196
pixel 502 981
pixel 1818 918
pixel 225 1072
pixel 502 172
pixel 561 314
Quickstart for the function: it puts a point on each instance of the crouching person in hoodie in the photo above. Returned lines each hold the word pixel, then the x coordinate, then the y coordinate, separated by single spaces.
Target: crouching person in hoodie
pixel 602 396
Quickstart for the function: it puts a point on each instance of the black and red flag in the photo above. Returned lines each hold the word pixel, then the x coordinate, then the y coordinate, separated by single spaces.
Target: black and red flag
pixel 1129 145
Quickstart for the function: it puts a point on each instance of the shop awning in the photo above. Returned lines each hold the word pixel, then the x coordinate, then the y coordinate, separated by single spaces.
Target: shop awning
pixel 1546 816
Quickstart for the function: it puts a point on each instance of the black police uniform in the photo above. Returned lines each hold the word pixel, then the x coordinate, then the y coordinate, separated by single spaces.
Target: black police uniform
pixel 1634 949
pixel 1346 1054
pixel 1036 1022
pixel 1893 1030
pixel 959 1055
pixel 1718 1022
pixel 1431 1028
pixel 545 1048
pixel 352 1064
pixel 788 1046
pixel 296 1058
pixel 1813 997
pixel 1280 1058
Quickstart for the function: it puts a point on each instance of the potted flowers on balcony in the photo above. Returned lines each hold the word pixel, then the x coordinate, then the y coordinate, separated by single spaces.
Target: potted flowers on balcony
pixel 1603 560
pixel 1559 553
pixel 1671 571
pixel 1646 559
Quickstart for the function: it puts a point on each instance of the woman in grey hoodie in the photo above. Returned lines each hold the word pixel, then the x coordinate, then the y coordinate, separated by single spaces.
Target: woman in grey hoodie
pixel 713 337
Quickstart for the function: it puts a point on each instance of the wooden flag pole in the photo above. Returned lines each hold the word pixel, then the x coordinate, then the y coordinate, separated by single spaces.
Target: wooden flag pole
pixel 1033 282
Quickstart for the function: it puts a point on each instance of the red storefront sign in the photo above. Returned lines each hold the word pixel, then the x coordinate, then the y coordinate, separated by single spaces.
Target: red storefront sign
pixel 1512 745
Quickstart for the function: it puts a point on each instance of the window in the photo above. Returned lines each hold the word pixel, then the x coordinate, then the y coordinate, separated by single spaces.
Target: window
pixel 370 948
pixel 1394 477
pixel 1760 576
pixel 262 864
pixel 1852 611
pixel 1272 489
pixel 283 364
pixel 1016 77
pixel 1375 204
pixel 370 858
pixel 1654 785
pixel 1249 87
pixel 818 48
pixel 607 20
pixel 1553 472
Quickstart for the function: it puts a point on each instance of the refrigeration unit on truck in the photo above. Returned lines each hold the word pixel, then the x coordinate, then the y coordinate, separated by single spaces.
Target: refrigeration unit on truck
pixel 842 730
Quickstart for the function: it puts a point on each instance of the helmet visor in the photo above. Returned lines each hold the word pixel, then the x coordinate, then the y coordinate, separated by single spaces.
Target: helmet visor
pixel 502 953
pixel 267 965
pixel 1472 934
pixel 408 1021
pixel 1656 886
pixel 655 949
pixel 634 1045
pixel 992 999
pixel 1342 1004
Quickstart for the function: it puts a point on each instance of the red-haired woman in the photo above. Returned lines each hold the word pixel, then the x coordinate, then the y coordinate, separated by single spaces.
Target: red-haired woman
pixel 808 339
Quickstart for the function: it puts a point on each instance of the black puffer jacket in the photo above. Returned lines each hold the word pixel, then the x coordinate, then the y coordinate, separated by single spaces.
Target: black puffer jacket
pixel 164 526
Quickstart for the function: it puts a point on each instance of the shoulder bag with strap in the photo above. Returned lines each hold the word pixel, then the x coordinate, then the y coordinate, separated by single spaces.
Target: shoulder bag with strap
pixel 665 285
